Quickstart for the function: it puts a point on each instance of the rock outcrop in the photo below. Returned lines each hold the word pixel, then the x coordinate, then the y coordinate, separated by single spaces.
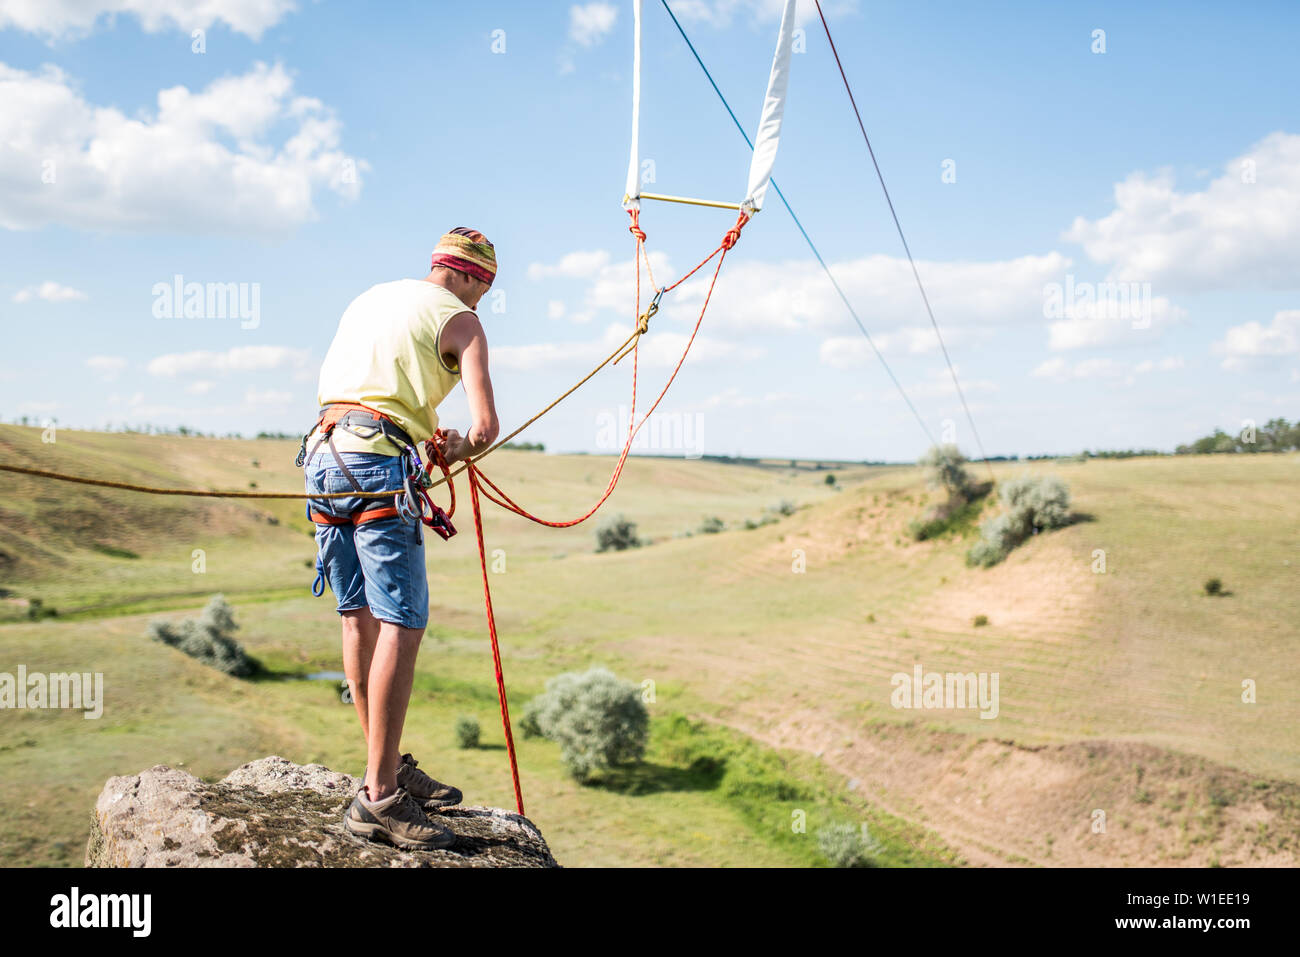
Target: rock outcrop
pixel 274 813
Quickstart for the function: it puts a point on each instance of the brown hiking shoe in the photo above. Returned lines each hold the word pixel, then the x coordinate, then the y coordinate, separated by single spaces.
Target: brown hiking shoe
pixel 428 792
pixel 396 819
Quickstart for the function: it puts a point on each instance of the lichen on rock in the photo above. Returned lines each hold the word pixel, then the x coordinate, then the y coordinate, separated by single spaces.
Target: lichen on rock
pixel 274 813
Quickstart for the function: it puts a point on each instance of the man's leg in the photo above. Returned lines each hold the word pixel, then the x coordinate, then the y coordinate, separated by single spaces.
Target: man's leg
pixel 360 633
pixel 392 673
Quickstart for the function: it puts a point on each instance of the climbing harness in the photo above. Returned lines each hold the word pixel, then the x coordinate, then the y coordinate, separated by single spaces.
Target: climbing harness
pixel 412 503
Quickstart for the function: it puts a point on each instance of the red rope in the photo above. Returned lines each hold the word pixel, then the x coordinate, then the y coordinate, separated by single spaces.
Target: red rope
pixel 473 473
pixel 479 483
pixel 434 454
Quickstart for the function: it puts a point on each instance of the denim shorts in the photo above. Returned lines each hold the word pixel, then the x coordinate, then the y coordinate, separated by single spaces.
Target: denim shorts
pixel 379 564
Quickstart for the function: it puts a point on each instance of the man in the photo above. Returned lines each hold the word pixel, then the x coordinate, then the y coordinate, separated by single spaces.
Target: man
pixel 400 348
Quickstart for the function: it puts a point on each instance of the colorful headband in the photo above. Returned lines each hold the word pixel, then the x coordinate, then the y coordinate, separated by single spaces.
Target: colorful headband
pixel 468 251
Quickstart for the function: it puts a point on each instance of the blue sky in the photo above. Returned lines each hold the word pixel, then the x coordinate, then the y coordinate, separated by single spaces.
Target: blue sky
pixel 316 148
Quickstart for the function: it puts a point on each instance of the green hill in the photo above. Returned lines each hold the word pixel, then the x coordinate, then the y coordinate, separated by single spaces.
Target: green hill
pixel 1120 690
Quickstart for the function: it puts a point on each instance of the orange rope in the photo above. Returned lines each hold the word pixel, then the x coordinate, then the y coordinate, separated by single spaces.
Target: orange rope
pixel 473 473
pixel 479 483
pixel 728 241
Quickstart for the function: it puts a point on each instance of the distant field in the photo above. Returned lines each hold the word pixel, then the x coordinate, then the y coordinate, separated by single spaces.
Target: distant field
pixel 1119 690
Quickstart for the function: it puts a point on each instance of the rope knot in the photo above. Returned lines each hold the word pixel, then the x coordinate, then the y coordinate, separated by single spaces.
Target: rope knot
pixel 733 234
pixel 635 229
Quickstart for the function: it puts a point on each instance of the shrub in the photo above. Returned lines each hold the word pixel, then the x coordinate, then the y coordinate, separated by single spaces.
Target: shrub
pixel 981 621
pixel 1033 504
pixel 784 507
pixel 616 535
pixel 712 525
pixel 467 732
pixel 843 846
pixel 598 720
pixel 36 610
pixel 946 520
pixel 830 479
pixel 998 535
pixel 946 467
pixel 1214 587
pixel 984 554
pixel 1045 498
pixel 207 638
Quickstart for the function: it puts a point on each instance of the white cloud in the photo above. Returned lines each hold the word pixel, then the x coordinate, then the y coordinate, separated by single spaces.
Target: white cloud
pixel 1167 364
pixel 1060 370
pixel 61 19
pixel 1252 343
pixel 204 162
pixel 107 368
pixel 753 296
pixel 590 23
pixel 734 398
pixel 555 309
pixel 199 387
pixel 756 296
pixel 853 351
pixel 656 350
pixel 1243 229
pixel 239 359
pixel 267 399
pixel 583 264
pixel 50 291
pixel 939 385
pixel 611 285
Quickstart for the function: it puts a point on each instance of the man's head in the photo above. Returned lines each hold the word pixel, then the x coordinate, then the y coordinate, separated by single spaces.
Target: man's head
pixel 464 263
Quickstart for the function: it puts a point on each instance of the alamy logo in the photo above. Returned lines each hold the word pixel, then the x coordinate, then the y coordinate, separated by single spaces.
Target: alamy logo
pixel 933 689
pixel 1098 300
pixel 662 431
pixel 83 691
pixel 179 299
pixel 102 910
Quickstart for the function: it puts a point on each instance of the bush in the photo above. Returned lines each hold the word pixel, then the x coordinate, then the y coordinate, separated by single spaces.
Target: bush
pixel 467 732
pixel 207 638
pixel 616 535
pixel 998 535
pixel 842 845
pixel 981 621
pixel 946 520
pixel 36 610
pixel 712 525
pixel 1214 587
pixel 946 470
pixel 1045 498
pixel 1032 505
pixel 598 720
pixel 830 479
pixel 784 507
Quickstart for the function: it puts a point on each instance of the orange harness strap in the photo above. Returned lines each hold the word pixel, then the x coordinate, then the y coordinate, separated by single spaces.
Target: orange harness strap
pixel 356 518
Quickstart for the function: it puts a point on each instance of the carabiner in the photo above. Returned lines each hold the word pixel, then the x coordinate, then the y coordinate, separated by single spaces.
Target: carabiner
pixel 643 321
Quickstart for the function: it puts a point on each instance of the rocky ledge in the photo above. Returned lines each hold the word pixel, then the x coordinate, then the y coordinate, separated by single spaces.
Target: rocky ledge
pixel 274 813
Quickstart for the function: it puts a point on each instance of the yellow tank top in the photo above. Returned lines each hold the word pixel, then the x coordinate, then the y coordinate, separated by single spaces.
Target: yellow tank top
pixel 386 355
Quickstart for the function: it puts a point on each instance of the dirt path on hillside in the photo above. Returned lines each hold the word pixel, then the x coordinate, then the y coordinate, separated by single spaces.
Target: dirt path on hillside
pixel 1001 804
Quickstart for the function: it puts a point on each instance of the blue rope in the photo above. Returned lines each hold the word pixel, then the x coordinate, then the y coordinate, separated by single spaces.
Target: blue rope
pixel 808 239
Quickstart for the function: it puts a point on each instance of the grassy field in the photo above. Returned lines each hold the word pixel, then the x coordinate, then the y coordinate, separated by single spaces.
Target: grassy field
pixel 771 651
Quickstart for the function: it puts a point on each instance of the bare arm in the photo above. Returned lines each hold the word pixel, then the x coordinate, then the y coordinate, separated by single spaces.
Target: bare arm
pixel 463 340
